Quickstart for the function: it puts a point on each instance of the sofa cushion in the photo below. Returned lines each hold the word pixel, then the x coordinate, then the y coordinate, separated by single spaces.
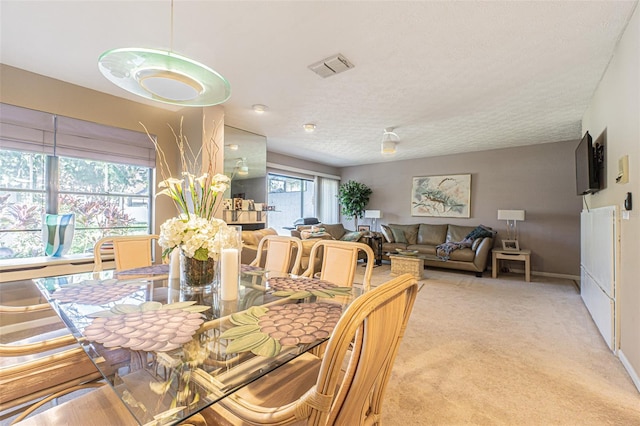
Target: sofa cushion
pixel 432 234
pixel 423 249
pixel 351 236
pixel 407 234
pixel 398 235
pixel 304 235
pixel 388 235
pixel 336 230
pixel 249 238
pixel 457 233
pixel 391 247
pixel 462 255
pixel 252 238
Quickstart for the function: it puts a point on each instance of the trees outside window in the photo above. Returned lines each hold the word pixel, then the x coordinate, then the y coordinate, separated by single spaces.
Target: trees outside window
pixel 106 198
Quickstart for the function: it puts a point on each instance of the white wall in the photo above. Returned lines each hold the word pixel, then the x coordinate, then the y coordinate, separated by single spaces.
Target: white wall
pixel 615 107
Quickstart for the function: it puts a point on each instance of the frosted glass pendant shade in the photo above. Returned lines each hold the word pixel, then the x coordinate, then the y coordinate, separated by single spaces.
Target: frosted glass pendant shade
pixel 164 77
pixel 389 142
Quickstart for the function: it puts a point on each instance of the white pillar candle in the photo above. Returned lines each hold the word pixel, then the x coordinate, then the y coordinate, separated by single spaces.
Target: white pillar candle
pixel 174 265
pixel 229 274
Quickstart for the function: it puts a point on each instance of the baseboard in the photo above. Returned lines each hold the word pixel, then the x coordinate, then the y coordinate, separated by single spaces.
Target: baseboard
pixel 632 373
pixel 547 274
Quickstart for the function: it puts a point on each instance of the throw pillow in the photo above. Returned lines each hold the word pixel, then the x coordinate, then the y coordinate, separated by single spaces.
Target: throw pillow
pixel 336 230
pixel 398 235
pixel 408 234
pixel 481 231
pixel 352 236
pixel 388 235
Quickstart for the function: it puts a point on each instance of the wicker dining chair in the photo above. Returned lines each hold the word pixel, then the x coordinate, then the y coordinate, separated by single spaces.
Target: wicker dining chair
pixel 344 387
pixel 129 251
pixel 275 253
pixel 339 262
pixel 36 369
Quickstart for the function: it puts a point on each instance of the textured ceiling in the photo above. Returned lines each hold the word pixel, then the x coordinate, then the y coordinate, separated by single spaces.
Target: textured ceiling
pixel 451 77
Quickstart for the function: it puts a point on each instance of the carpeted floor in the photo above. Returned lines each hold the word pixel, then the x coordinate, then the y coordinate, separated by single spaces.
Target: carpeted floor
pixel 483 351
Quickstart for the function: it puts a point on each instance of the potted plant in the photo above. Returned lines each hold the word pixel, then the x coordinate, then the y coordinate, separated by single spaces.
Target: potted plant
pixel 353 197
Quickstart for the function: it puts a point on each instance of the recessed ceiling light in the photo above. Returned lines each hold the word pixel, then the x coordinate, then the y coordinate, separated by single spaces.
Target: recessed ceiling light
pixel 309 127
pixel 259 108
pixel 233 147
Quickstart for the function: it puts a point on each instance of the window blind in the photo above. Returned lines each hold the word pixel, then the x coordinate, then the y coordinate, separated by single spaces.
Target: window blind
pixel 35 131
pixel 24 129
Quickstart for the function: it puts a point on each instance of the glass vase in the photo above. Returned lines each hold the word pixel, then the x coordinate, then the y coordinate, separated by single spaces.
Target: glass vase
pixel 57 233
pixel 196 275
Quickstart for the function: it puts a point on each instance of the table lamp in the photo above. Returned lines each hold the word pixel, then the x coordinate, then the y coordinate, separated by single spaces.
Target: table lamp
pixel 374 215
pixel 512 217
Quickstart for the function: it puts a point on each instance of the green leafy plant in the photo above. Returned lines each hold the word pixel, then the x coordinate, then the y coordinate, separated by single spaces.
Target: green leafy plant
pixel 353 197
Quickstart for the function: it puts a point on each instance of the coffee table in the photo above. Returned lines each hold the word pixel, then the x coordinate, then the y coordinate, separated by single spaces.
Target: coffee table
pixel 407 264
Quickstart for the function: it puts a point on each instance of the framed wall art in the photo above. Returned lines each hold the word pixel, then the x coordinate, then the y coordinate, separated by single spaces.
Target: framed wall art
pixel 441 196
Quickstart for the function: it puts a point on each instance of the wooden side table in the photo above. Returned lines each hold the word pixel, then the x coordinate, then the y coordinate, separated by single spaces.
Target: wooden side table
pixel 522 255
pixel 375 242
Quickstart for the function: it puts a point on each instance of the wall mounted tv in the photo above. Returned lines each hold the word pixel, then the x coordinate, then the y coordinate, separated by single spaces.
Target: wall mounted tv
pixel 589 162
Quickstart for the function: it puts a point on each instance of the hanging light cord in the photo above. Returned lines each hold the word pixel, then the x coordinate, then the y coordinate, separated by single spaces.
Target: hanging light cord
pixel 171 32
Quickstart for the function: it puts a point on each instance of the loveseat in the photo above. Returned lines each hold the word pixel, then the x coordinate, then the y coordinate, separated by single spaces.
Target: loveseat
pixel 251 239
pixel 327 231
pixel 425 238
pixel 335 231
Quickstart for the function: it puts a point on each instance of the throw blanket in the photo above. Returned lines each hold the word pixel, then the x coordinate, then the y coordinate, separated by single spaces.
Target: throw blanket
pixel 443 251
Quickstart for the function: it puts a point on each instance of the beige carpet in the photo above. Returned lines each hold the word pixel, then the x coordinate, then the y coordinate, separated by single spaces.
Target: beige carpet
pixel 483 351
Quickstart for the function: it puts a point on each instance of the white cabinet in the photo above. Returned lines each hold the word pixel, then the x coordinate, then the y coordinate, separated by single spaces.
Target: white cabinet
pixel 597 268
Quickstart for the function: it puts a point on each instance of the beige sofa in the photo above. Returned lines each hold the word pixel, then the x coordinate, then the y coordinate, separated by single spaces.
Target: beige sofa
pixel 335 231
pixel 251 239
pixel 425 238
pixel 326 231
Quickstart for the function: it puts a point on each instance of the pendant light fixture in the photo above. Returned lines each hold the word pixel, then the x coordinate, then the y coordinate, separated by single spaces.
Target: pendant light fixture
pixel 389 141
pixel 164 76
pixel 241 167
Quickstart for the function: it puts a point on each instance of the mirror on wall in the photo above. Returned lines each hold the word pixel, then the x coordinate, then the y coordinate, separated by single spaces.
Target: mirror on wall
pixel 245 162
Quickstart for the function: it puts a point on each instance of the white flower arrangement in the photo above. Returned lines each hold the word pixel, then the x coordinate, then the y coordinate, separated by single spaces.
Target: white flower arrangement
pixel 195 236
pixel 195 231
pixel 195 195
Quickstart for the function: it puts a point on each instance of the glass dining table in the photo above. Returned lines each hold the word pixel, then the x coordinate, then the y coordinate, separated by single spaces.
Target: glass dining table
pixel 169 353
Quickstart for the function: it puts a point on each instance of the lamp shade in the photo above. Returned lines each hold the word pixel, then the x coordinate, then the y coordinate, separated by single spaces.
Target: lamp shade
pixel 511 215
pixel 389 141
pixel 242 167
pixel 373 214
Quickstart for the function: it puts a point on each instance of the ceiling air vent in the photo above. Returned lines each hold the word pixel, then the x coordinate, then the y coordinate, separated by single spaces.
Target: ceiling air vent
pixel 331 66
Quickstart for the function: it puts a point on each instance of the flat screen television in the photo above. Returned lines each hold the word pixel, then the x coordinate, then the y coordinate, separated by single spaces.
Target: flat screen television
pixel 587 167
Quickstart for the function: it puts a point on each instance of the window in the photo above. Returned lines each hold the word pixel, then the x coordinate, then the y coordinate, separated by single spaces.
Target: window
pixel 51 164
pixel 295 197
pixel 292 197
